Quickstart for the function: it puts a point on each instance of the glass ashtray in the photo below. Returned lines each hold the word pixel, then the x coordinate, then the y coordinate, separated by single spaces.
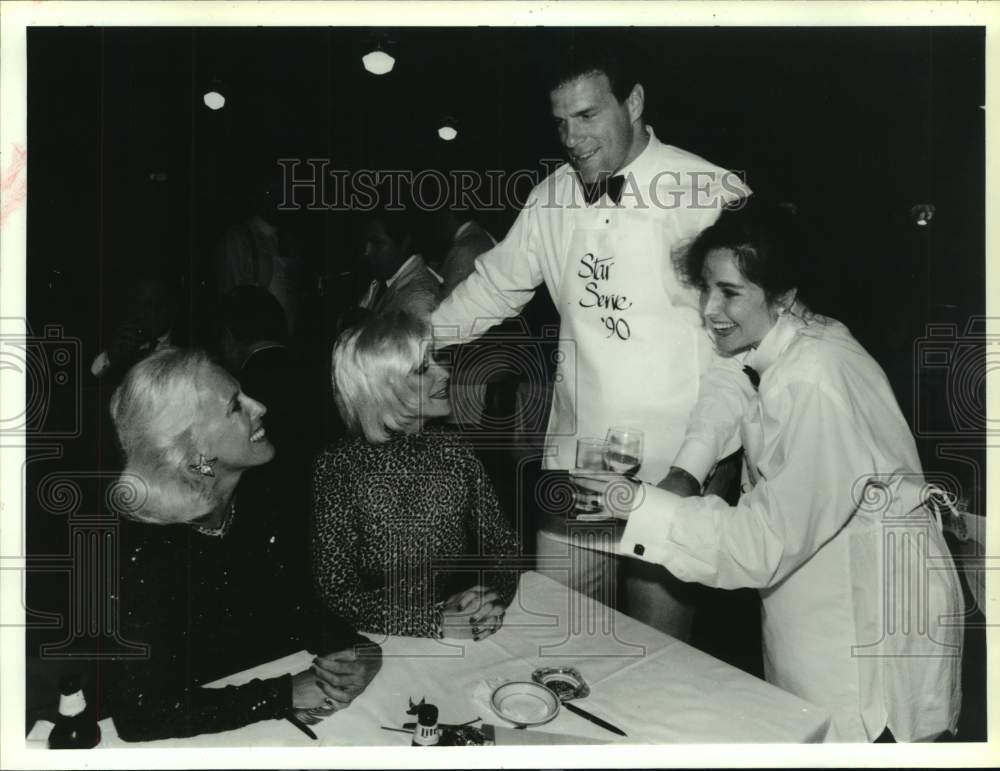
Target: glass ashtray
pixel 564 682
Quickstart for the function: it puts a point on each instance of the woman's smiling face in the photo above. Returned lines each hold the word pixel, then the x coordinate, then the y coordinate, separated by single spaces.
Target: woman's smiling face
pixel 229 425
pixel 735 309
pixel 432 383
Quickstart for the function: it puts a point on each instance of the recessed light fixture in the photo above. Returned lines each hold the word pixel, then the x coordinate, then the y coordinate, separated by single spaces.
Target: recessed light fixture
pixel 213 97
pixel 214 100
pixel 449 128
pixel 379 59
pixel 378 62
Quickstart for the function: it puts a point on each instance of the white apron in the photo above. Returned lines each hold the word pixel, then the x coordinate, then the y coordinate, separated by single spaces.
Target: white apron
pixel 633 348
pixel 861 628
pixel 631 339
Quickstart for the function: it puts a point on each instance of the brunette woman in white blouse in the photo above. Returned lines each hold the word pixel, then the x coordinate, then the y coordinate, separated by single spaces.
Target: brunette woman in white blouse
pixel 862 609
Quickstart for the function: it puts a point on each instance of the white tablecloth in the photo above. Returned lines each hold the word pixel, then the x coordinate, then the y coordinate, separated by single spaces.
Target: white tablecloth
pixel 655 688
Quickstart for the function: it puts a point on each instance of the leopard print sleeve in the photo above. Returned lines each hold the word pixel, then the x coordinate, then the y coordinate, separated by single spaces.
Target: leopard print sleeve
pixel 498 542
pixel 336 548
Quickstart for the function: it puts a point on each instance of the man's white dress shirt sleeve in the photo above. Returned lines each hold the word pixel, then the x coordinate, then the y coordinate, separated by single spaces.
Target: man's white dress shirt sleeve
pixel 807 472
pixel 502 283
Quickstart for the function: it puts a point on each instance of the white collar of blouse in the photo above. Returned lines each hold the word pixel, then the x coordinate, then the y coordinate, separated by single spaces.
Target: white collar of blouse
pixel 780 336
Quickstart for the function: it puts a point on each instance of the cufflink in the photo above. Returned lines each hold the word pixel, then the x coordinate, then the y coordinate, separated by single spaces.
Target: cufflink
pixel 639 549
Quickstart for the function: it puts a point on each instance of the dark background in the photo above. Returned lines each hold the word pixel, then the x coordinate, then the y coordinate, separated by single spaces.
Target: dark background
pixel 853 125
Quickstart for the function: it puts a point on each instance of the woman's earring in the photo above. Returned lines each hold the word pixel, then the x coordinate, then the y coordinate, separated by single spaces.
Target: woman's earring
pixel 204 466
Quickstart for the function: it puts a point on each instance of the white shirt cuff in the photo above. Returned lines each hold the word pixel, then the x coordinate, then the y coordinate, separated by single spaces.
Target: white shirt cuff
pixel 697 457
pixel 645 534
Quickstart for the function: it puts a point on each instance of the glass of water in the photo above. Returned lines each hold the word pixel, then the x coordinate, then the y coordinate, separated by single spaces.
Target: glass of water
pixel 590 452
pixel 624 450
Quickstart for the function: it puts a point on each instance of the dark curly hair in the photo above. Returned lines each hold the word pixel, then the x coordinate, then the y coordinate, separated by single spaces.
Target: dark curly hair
pixel 767 240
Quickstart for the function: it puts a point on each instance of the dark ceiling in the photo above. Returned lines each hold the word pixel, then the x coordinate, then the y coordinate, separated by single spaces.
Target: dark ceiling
pixel 853 125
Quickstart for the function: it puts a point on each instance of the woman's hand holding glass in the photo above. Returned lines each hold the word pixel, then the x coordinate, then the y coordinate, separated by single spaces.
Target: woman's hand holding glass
pixel 619 494
pixel 590 453
pixel 603 475
pixel 475 613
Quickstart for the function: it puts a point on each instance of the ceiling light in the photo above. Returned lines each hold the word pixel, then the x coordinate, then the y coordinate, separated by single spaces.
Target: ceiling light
pixel 378 62
pixel 213 93
pixel 214 100
pixel 448 130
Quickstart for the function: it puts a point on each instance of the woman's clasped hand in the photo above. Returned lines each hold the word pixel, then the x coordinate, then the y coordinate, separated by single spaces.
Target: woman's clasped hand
pixel 335 679
pixel 475 613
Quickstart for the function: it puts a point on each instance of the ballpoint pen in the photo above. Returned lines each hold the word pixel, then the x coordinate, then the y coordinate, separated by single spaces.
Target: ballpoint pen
pixel 411 726
pixel 397 730
pixel 593 719
pixel 291 718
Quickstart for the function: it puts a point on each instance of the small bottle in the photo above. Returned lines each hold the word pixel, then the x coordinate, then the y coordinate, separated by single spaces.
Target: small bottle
pixel 426 732
pixel 75 728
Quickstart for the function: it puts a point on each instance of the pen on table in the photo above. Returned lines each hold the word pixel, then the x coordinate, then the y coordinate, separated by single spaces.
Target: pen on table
pixel 594 719
pixel 291 718
pixel 412 726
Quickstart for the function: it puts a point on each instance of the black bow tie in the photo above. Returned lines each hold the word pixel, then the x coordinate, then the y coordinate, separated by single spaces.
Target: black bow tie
pixel 754 377
pixel 610 185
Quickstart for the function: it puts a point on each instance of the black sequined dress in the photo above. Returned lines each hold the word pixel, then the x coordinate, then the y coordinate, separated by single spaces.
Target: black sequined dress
pixel 208 606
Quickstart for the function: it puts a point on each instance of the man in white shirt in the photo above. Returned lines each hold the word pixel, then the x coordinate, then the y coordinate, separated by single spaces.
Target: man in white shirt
pixel 599 232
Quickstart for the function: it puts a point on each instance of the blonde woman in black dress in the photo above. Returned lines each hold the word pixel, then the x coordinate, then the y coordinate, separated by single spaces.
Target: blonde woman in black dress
pixel 208 584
